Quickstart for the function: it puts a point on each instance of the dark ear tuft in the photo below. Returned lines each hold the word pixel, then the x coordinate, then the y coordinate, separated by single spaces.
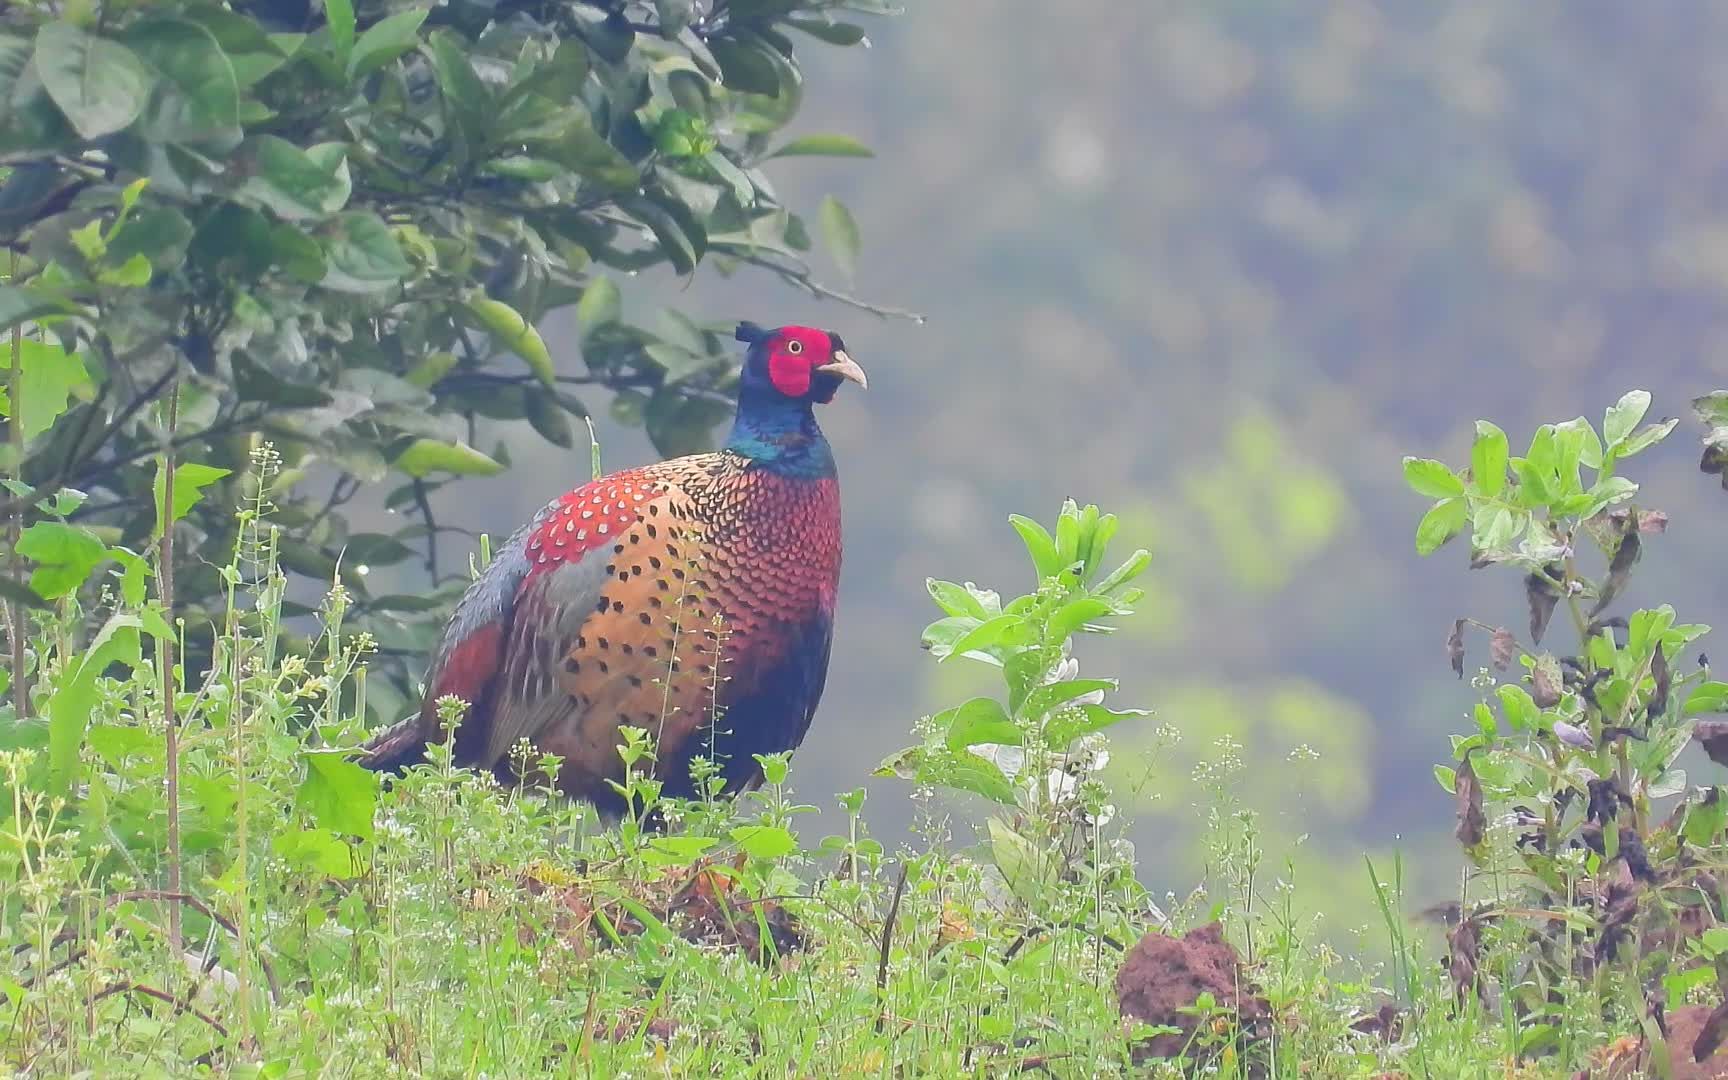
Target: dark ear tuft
pixel 749 332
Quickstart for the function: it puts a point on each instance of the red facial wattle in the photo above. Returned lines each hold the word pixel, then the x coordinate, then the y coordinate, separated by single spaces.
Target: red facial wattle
pixel 790 373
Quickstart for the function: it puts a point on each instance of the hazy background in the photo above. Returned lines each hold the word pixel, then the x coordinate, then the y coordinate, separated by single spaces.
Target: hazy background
pixel 1217 266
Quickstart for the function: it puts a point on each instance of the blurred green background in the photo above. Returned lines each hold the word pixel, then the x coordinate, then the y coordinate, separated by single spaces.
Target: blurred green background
pixel 1217 266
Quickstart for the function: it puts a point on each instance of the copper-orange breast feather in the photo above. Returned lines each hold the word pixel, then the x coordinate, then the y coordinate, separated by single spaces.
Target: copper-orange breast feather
pixel 693 598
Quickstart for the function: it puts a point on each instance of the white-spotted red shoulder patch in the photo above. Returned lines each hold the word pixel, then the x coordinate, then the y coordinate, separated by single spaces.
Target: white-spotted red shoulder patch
pixel 592 516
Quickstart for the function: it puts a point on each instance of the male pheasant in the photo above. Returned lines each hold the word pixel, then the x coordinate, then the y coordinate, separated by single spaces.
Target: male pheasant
pixel 693 598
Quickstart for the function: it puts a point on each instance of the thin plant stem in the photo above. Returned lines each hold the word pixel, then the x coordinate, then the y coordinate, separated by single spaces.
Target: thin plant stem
pixel 165 661
pixel 19 620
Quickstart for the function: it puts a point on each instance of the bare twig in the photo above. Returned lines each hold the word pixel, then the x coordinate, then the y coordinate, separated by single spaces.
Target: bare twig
pixel 802 277
pixel 162 996
pixel 887 945
pixel 424 505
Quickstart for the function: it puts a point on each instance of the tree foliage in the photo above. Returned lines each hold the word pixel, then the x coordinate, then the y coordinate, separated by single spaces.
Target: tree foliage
pixel 335 227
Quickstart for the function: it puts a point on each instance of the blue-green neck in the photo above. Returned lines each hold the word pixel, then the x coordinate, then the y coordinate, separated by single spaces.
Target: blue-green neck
pixel 780 434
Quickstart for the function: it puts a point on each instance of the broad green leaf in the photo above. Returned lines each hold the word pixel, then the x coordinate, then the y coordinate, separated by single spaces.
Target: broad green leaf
pixel 824 146
pixel 955 599
pixel 65 555
pixel 765 841
pixel 1425 476
pixel 1647 436
pixel 190 480
pixel 316 849
pixel 429 369
pixel 600 306
pixel 675 243
pixel 339 16
pixel 1444 520
pixel 1050 696
pixel 1073 616
pixel 1003 630
pixel 292 182
pixel 201 99
pixel 1039 545
pixel 834 33
pixel 979 720
pixel 1709 697
pixel 840 233
pixel 511 330
pixel 363 255
pixel 386 40
pixel 1488 459
pixel 339 794
pixel 50 378
pixel 423 457
pixel 1623 416
pixel 1071 724
pixel 1023 864
pixel 467 100
pixel 74 697
pixel 100 85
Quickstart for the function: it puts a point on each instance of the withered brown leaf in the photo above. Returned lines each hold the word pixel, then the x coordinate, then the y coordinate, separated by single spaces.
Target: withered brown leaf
pixel 1455 647
pixel 1664 676
pixel 1502 647
pixel 1545 681
pixel 1710 1036
pixel 1540 593
pixel 1712 735
pixel 1619 570
pixel 1467 790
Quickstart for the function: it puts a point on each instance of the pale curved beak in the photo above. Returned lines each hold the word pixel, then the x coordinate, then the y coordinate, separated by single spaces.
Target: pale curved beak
pixel 847 368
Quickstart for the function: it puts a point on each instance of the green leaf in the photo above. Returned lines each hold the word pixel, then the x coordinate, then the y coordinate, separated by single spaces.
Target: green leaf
pixel 765 841
pixel 292 182
pixel 201 94
pixel 1039 545
pixel 1444 520
pixel 339 794
pixel 1431 478
pixel 979 720
pixel 823 146
pixel 840 233
pixel 1071 724
pixel 834 33
pixel 466 98
pixel 363 255
pixel 1624 416
pixel 423 457
pixel 65 555
pixel 511 330
pixel 1488 459
pixel 1051 696
pixel 1073 616
pixel 339 16
pixel 386 40
pixel 1003 630
pixel 1708 697
pixel 74 698
pixel 159 233
pixel 100 85
pixel 190 480
pixel 50 377
pixel 316 849
pixel 955 599
pixel 1577 444
pixel 600 306
pixel 1022 863
pixel 1647 436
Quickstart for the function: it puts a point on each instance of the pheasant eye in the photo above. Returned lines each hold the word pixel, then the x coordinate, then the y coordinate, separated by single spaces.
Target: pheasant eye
pixel 794 347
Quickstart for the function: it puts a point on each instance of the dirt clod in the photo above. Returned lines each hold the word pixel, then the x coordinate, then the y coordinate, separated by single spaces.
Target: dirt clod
pixel 1162 979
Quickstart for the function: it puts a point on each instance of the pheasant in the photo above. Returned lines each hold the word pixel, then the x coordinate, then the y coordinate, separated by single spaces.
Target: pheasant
pixel 693 598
